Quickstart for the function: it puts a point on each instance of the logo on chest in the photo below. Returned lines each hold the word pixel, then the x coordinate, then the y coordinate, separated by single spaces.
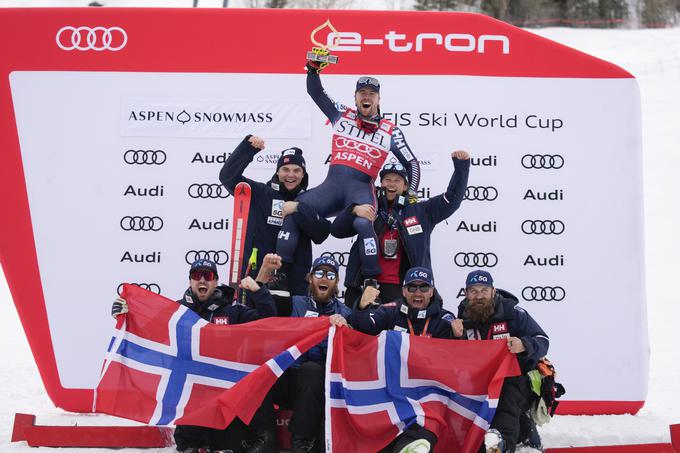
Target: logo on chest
pixel 499 330
pixel 221 320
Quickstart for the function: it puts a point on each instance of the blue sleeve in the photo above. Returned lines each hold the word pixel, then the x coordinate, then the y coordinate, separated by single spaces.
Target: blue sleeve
pixel 232 171
pixel 372 321
pixel 299 307
pixel 442 206
pixel 320 98
pixel 401 150
pixel 535 340
pixel 313 225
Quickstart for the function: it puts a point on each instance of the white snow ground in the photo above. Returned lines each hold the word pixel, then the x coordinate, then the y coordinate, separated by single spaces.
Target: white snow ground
pixel 653 56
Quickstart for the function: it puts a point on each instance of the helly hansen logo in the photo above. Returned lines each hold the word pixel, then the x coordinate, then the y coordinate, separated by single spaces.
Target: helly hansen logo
pixel 410 221
pixel 501 327
pixel 221 320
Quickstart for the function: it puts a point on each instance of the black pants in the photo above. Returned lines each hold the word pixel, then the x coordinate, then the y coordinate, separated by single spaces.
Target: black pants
pixel 230 438
pixel 516 398
pixel 302 390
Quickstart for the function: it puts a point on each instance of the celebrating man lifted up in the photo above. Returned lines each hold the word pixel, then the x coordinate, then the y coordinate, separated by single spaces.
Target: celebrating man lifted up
pixel 361 142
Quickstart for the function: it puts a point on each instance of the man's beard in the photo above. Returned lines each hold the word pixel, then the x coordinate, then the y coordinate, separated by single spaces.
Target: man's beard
pixel 479 312
pixel 322 299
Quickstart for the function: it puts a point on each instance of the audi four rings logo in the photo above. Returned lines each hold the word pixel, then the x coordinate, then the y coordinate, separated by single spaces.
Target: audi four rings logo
pixel 475 259
pixel 197 190
pixel 348 143
pixel 543 293
pixel 341 257
pixel 153 287
pixel 141 223
pixel 481 193
pixel 218 256
pixel 542 161
pixel 144 157
pixel 542 227
pixel 91 38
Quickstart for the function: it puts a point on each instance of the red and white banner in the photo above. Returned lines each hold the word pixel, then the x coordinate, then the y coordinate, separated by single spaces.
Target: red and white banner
pixel 116 123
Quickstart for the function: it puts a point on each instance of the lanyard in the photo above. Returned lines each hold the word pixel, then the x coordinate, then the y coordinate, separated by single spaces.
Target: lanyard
pixel 479 335
pixel 424 332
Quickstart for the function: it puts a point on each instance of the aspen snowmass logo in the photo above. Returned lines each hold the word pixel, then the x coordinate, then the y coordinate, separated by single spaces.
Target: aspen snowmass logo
pixel 184 116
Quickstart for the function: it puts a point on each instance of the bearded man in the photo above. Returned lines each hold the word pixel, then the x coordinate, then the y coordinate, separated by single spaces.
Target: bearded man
pixel 488 313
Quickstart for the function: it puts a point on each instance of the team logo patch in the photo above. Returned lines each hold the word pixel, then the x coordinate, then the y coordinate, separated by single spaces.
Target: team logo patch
pixel 499 327
pixel 370 247
pixel 411 221
pixel 311 314
pixel 277 221
pixel 422 314
pixel 221 320
pixel 404 309
pixel 277 208
pixel 414 229
pixel 499 330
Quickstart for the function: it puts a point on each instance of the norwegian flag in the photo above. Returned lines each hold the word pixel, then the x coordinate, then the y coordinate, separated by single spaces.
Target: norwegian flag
pixel 378 386
pixel 167 366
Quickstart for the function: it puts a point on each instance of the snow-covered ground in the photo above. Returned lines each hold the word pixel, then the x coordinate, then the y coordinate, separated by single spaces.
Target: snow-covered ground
pixel 653 56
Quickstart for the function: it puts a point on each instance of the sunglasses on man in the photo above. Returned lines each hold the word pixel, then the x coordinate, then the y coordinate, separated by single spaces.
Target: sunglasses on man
pixel 421 288
pixel 319 273
pixel 208 276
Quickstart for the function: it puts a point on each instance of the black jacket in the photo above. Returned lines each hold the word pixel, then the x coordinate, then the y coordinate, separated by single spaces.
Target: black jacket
pixel 220 309
pixel 264 222
pixel 396 315
pixel 509 320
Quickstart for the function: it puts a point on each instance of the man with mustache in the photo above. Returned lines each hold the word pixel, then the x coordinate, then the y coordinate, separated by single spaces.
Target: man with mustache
pixel 489 313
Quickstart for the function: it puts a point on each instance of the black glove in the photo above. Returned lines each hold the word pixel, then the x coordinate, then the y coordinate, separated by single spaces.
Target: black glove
pixel 119 307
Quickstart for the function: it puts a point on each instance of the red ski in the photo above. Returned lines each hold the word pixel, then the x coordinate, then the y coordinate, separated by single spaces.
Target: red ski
pixel 242 194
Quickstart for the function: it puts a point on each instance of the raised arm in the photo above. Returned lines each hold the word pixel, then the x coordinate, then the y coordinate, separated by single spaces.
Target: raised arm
pixel 442 206
pixel 401 150
pixel 232 171
pixel 320 98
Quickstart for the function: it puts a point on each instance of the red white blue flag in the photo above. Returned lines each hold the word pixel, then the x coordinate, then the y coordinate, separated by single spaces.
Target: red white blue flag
pixel 378 386
pixel 167 366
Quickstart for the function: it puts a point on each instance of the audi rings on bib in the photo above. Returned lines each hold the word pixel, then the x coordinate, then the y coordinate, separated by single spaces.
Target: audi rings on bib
pixel 206 190
pixel 363 148
pixel 341 257
pixel 475 259
pixel 542 227
pixel 153 287
pixel 95 38
pixel 481 193
pixel 218 256
pixel 144 157
pixel 543 161
pixel 543 293
pixel 141 223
